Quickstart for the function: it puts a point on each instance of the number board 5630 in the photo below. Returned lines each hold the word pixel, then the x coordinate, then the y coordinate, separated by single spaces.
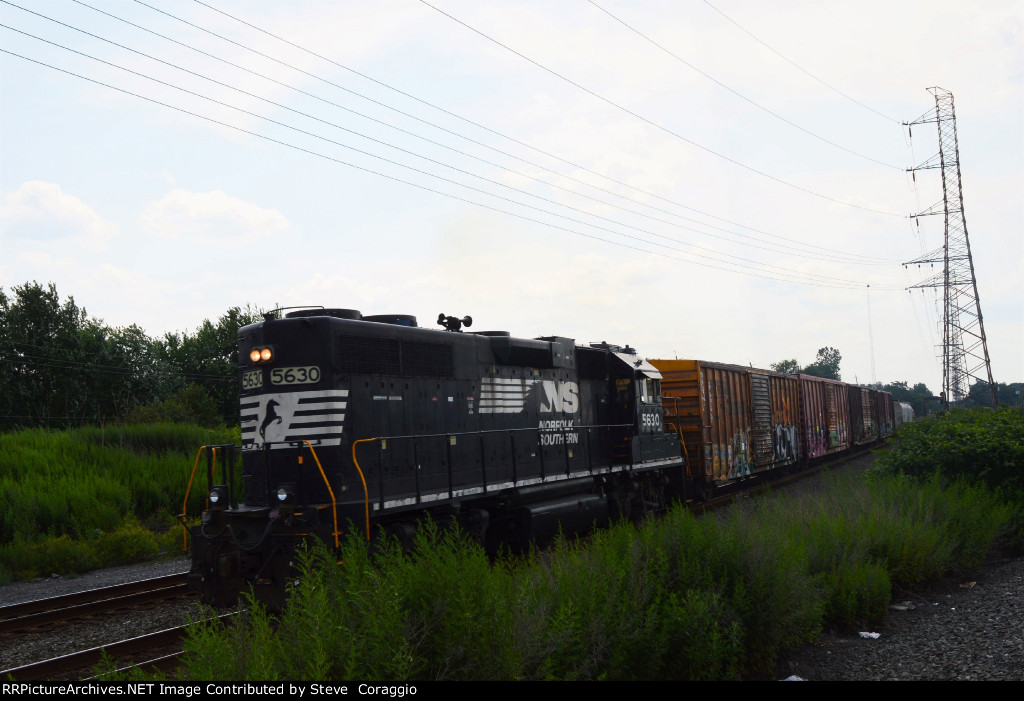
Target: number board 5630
pixel 295 376
pixel 253 379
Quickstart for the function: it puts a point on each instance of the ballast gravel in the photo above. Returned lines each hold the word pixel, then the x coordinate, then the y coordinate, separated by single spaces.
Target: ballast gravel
pixel 25 647
pixel 971 628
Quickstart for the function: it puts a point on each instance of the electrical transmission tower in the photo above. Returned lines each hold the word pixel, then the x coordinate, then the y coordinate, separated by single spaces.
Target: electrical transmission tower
pixel 964 348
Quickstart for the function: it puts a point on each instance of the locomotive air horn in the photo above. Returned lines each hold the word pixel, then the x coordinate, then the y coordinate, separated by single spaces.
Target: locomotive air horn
pixel 451 323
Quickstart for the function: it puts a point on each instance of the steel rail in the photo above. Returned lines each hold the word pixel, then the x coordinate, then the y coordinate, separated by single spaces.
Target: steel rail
pixel 60 667
pixel 30 614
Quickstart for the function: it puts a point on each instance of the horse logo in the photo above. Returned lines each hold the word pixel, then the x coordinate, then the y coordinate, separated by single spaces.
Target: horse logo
pixel 270 418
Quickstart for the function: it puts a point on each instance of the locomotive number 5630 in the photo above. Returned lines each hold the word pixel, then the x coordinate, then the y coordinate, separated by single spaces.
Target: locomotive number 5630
pixel 295 376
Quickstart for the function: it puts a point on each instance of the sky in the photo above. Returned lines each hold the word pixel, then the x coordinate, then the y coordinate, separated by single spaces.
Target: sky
pixel 723 180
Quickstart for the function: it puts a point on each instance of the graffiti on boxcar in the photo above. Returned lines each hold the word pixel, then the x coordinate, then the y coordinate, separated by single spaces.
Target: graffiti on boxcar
pixel 739 456
pixel 785 443
pixel 837 437
pixel 816 438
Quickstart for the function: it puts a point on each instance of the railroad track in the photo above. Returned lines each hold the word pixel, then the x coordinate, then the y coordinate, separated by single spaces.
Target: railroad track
pixel 59 609
pixel 154 652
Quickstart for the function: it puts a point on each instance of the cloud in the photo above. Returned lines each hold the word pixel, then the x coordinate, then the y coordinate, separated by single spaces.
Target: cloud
pixel 164 176
pixel 42 211
pixel 211 218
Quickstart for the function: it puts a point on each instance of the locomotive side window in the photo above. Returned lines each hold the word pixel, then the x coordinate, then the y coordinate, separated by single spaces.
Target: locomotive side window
pixel 650 391
pixel 623 391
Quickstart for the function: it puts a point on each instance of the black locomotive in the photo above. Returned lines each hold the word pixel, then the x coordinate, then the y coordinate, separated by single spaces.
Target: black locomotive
pixel 372 422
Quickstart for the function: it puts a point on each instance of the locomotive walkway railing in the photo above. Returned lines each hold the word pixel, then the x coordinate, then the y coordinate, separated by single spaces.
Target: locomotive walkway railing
pixel 543 437
pixel 538 442
pixel 211 470
pixel 327 482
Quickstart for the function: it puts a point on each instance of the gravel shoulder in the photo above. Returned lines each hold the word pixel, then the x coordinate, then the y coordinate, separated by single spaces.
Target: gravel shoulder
pixel 42 588
pixel 965 629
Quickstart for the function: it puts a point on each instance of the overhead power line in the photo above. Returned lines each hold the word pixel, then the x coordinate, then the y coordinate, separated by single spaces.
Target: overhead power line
pixel 654 124
pixel 785 277
pixel 467 121
pixel 61 364
pixel 714 255
pixel 739 94
pixel 799 67
pixel 791 249
pixel 175 368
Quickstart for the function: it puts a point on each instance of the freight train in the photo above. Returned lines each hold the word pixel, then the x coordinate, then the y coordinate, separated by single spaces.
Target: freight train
pixel 372 423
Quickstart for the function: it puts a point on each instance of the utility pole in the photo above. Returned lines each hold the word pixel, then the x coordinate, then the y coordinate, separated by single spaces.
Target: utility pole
pixel 964 348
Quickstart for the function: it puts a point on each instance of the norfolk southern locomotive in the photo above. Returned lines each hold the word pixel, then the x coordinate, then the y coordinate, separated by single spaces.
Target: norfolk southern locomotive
pixel 372 423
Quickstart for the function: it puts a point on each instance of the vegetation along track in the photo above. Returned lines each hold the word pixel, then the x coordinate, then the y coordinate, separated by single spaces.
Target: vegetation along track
pixel 160 650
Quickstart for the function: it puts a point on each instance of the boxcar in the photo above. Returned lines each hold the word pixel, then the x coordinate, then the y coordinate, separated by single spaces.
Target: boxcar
pixel 886 420
pixel 734 421
pixel 863 425
pixel 825 416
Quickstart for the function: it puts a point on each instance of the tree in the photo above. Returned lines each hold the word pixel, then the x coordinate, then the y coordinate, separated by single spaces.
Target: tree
pixel 40 347
pixel 1007 394
pixel 826 364
pixel 789 367
pixel 209 358
pixel 191 405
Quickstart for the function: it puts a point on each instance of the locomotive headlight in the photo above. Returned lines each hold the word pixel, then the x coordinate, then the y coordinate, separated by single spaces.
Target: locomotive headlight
pixel 286 497
pixel 218 498
pixel 262 355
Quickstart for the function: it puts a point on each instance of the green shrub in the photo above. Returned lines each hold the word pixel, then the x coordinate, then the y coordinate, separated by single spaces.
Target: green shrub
pixel 59 555
pixel 857 592
pixel 128 543
pixel 980 445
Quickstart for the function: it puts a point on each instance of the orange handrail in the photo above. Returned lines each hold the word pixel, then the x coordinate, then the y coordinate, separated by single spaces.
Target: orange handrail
pixel 334 502
pixel 366 492
pixel 184 505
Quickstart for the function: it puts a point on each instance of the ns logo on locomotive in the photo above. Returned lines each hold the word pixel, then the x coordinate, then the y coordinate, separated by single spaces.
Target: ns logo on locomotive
pixel 375 421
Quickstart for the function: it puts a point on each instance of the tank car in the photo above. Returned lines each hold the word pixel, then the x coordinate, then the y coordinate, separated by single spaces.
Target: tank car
pixel 372 422
pixel 902 413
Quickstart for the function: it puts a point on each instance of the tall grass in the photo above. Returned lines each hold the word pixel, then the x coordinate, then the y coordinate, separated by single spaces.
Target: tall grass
pixel 678 598
pixel 74 500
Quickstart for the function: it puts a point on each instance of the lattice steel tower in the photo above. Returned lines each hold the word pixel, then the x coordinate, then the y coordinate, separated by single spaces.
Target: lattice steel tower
pixel 964 348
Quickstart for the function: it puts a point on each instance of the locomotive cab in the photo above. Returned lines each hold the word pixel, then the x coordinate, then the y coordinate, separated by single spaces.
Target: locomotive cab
pixel 637 392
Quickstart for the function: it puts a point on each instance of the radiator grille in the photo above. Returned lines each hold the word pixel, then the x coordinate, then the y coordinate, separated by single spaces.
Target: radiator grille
pixel 387 356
